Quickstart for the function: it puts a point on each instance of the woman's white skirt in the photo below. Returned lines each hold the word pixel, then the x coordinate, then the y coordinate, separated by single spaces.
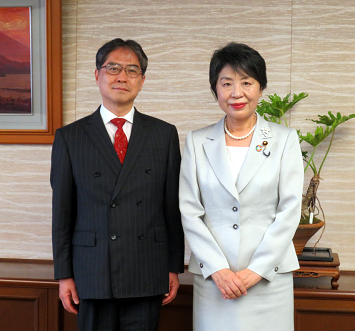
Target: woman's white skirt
pixel 268 306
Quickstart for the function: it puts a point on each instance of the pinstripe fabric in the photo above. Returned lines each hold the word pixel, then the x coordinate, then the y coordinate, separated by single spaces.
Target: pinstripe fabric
pixel 116 228
pixel 130 314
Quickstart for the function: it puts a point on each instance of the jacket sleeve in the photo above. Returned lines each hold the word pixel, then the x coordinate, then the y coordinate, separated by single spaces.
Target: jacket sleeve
pixel 171 207
pixel 278 237
pixel 63 208
pixel 208 254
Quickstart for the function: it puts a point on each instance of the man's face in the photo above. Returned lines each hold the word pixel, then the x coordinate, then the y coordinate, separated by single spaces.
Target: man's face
pixel 119 91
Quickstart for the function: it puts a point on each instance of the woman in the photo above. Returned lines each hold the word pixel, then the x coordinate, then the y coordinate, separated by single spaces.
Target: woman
pixel 240 197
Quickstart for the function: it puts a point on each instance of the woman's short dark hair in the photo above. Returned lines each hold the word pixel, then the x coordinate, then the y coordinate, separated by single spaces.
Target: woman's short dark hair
pixel 114 44
pixel 242 58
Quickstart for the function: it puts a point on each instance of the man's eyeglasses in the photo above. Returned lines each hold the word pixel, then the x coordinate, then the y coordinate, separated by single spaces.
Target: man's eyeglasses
pixel 132 71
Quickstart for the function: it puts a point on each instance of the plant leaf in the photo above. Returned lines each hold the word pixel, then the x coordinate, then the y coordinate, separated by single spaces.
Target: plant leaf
pixel 277 107
pixel 296 98
pixel 318 137
pixel 333 120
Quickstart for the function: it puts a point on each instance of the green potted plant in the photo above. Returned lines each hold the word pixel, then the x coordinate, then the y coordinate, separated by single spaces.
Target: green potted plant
pixel 274 110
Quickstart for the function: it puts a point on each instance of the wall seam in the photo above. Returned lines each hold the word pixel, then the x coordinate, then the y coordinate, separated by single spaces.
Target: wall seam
pixel 76 55
pixel 291 57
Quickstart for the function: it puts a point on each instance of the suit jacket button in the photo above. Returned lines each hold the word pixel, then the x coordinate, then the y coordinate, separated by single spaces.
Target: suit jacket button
pixel 276 269
pixel 113 205
pixel 113 237
pixel 139 202
pixel 235 226
pixel 201 265
pixel 97 174
pixel 141 237
pixel 148 171
pixel 235 208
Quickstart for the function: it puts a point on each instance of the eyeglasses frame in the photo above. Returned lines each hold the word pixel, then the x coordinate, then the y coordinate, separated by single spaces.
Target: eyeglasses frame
pixel 122 67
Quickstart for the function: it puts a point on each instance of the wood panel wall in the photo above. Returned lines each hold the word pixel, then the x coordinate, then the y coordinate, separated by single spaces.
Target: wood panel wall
pixel 308 46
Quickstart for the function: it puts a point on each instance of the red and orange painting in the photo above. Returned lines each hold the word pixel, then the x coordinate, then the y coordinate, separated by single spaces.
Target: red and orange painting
pixel 15 60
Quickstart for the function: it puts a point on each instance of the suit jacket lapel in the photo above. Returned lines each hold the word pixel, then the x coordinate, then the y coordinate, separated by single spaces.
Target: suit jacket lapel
pixel 215 148
pixel 255 158
pixel 136 142
pixel 96 130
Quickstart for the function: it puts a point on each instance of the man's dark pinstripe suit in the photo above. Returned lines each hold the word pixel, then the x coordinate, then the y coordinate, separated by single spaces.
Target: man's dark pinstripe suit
pixel 116 228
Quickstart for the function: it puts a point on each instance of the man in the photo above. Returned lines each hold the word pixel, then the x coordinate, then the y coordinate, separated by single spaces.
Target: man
pixel 117 236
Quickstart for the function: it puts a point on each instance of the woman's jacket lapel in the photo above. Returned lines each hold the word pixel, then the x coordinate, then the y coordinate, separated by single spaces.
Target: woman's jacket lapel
pixel 215 148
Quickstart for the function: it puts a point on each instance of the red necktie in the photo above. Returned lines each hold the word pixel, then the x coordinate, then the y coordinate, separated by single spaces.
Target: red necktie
pixel 121 142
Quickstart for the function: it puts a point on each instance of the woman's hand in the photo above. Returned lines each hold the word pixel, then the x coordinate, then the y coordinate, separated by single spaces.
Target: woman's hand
pixel 248 277
pixel 229 284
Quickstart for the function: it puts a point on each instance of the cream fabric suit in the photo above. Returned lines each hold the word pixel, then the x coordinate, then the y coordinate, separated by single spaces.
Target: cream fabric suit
pixel 249 224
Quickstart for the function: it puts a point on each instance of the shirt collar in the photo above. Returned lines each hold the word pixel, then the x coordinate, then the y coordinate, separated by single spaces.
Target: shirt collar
pixel 107 116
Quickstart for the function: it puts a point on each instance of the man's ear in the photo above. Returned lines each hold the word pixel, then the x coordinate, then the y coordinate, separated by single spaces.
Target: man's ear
pixel 96 76
pixel 143 80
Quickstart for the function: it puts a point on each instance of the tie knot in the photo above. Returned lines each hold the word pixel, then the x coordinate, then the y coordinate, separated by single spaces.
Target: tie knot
pixel 118 122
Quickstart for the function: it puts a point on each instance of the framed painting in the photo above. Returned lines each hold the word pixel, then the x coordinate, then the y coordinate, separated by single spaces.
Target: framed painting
pixel 30 71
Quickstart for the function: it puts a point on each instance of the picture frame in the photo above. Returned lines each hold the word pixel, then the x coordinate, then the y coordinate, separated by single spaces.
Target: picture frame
pixel 51 110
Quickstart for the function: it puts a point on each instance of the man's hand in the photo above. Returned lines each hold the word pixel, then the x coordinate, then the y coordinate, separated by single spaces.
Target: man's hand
pixel 229 284
pixel 173 287
pixel 68 295
pixel 248 277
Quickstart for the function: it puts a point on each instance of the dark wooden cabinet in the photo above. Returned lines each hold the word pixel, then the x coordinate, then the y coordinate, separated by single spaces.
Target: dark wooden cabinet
pixel 324 314
pixel 322 309
pixel 29 302
pixel 23 309
pixel 29 298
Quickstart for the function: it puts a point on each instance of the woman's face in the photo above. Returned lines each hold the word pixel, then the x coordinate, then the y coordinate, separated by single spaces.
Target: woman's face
pixel 238 95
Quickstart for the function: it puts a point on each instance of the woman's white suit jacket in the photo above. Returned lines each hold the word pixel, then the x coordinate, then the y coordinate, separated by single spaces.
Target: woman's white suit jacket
pixel 248 224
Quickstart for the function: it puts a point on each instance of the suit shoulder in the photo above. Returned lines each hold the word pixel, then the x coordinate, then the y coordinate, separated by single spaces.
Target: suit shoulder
pixel 202 132
pixel 280 129
pixel 155 120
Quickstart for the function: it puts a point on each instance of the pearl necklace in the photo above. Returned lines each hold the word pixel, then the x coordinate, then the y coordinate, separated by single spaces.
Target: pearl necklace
pixel 234 137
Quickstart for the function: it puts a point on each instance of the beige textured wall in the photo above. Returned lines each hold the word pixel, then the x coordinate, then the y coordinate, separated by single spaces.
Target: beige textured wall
pixel 307 47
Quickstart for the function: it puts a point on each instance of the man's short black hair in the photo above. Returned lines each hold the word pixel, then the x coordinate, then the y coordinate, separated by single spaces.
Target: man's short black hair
pixel 242 58
pixel 114 44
